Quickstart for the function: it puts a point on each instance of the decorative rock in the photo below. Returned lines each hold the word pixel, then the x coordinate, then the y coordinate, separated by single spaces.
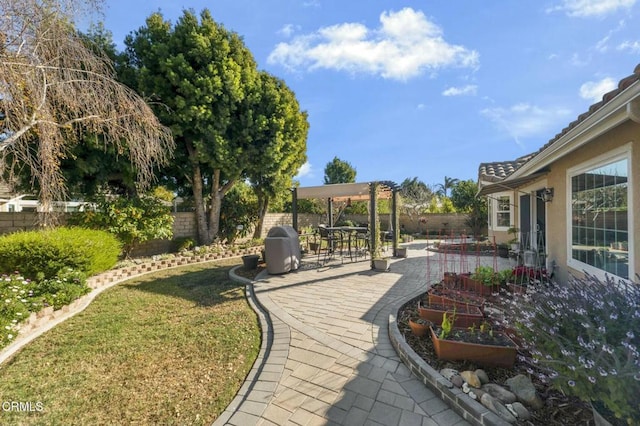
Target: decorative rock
pixel 496 406
pixel 448 373
pixel 522 411
pixel 465 388
pixel 479 393
pixel 497 391
pixel 457 381
pixel 482 375
pixel 524 390
pixel 511 410
pixel 471 378
pixel 473 395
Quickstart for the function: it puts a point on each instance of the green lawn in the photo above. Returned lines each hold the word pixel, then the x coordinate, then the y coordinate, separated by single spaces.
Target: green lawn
pixel 171 347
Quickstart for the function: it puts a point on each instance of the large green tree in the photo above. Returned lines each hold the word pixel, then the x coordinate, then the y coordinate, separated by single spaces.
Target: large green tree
pixel 279 141
pixel 200 77
pixel 339 171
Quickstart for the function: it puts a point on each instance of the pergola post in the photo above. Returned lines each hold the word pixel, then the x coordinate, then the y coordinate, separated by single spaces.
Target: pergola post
pixel 294 207
pixel 394 220
pixel 374 232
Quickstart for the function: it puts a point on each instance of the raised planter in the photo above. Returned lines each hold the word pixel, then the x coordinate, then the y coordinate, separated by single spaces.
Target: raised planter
pixel 482 354
pixel 469 284
pixel 419 328
pixel 452 298
pixel 465 316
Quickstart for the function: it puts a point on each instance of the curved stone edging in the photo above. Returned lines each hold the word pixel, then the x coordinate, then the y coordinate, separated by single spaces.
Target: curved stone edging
pixel 266 325
pixel 471 410
pixel 44 320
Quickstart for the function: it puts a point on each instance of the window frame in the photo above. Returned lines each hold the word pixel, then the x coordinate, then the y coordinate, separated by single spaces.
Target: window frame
pixel 622 153
pixel 493 211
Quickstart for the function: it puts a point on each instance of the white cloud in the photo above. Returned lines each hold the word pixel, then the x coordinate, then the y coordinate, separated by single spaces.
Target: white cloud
pixel 589 8
pixel 593 90
pixel 404 46
pixel 306 170
pixel 421 106
pixel 471 89
pixel 524 120
pixel 288 30
pixel 631 46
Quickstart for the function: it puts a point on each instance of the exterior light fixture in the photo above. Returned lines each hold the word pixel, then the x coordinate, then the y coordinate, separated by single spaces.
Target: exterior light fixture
pixel 547 195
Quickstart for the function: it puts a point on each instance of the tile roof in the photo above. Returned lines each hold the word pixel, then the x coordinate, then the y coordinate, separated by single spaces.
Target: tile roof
pixel 497 171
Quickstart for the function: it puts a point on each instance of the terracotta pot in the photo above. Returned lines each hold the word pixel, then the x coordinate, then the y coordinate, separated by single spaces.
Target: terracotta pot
pixel 474 286
pixel 418 329
pixel 466 316
pixel 486 355
pixel 454 298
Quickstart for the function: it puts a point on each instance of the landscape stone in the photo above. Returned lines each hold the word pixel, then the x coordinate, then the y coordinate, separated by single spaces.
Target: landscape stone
pixel 465 388
pixel 497 391
pixel 473 395
pixel 448 373
pixel 457 381
pixel 471 378
pixel 496 406
pixel 524 390
pixel 482 375
pixel 522 411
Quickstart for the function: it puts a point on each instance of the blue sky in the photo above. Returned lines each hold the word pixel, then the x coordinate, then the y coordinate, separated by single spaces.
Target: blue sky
pixel 425 89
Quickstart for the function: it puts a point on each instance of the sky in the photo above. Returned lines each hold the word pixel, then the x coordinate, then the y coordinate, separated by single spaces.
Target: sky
pixel 426 89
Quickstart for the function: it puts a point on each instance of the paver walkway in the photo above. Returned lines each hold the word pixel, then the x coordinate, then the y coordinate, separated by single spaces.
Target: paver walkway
pixel 328 359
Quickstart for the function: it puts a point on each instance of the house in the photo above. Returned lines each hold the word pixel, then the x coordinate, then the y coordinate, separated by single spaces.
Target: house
pixel 13 201
pixel 575 201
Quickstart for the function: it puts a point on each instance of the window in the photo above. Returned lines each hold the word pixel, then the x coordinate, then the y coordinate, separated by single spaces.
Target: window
pixel 503 211
pixel 499 207
pixel 599 217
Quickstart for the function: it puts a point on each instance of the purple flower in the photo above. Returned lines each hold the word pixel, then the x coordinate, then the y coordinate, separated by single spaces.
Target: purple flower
pixel 592 379
pixel 571 383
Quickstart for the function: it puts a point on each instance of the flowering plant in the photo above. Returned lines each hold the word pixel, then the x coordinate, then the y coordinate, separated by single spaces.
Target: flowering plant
pixel 583 337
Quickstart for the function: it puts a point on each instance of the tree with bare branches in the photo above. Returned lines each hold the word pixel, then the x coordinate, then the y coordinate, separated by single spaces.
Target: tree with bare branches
pixel 54 89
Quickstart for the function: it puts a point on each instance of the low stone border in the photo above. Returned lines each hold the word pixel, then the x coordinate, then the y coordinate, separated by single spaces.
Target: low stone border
pixel 471 410
pixel 45 319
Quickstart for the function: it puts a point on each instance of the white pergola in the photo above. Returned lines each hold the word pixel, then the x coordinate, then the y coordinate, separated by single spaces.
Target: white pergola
pixel 371 191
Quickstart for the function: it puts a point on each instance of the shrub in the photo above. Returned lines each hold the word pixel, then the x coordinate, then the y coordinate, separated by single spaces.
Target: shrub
pixel 45 253
pixel 131 220
pixel 585 338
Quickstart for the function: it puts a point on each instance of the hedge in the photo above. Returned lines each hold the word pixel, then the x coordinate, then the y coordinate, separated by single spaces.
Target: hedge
pixel 45 253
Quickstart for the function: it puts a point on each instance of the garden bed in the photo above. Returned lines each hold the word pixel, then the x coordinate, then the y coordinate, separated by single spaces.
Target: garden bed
pixel 558 409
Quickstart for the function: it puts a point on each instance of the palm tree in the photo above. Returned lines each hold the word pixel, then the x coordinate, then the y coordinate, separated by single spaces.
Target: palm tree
pixel 448 184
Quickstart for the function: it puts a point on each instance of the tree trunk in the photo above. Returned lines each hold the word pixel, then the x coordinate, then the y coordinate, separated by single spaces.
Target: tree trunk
pixel 218 192
pixel 201 217
pixel 263 206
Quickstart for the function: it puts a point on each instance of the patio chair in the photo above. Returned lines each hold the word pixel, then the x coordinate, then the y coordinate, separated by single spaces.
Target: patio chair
pixel 329 243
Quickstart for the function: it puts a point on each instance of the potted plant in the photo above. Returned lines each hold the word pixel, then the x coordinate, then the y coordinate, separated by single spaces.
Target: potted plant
pixel 515 245
pixel 584 337
pixel 483 281
pixel 481 345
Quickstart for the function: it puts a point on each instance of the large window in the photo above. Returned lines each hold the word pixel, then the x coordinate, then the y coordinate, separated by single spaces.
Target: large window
pixel 599 216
